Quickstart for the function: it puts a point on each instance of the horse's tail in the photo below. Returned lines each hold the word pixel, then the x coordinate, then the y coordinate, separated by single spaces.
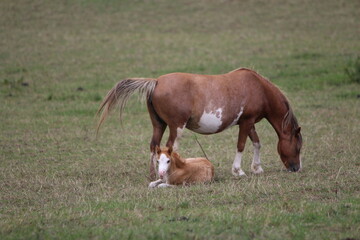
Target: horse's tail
pixel 120 94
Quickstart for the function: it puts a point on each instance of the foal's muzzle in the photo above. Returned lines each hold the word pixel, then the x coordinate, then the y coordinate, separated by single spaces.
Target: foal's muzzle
pixel 162 174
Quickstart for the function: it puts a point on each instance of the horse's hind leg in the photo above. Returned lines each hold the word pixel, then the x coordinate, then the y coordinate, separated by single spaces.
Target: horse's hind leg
pixel 159 127
pixel 255 165
pixel 175 135
pixel 158 131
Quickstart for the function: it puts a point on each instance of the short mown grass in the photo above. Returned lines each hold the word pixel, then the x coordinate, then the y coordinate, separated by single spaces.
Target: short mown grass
pixel 59 58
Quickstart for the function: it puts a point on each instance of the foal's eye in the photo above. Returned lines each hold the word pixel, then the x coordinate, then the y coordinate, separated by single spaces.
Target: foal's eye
pixel 168 161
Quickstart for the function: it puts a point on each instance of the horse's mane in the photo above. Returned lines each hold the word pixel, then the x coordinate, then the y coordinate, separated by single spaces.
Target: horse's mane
pixel 290 120
pixel 289 117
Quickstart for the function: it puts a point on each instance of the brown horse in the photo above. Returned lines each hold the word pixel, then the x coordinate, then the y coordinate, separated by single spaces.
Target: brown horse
pixel 209 104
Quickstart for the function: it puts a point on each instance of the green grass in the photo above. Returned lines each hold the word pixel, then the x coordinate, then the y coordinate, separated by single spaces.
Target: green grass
pixel 59 58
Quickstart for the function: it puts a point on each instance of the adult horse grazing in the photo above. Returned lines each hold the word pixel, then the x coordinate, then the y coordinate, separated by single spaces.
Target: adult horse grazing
pixel 174 170
pixel 209 104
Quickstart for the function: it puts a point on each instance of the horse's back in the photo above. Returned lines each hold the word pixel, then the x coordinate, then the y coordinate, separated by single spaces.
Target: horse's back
pixel 209 103
pixel 216 88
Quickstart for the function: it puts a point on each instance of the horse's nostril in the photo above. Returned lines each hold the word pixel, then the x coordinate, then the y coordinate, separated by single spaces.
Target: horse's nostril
pixel 294 168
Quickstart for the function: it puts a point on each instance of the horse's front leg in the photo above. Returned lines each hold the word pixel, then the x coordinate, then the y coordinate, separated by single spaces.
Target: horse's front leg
pixel 256 164
pixel 243 134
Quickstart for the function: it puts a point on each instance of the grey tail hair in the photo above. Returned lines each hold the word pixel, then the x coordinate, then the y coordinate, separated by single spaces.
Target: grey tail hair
pixel 120 94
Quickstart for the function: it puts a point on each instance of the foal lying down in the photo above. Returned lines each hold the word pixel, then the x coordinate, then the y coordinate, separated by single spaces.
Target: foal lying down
pixel 174 170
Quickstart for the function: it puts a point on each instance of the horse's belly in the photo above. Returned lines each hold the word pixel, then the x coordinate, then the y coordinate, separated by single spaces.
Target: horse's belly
pixel 213 121
pixel 209 122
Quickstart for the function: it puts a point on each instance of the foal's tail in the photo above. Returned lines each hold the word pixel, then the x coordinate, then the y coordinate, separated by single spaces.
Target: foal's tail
pixel 120 94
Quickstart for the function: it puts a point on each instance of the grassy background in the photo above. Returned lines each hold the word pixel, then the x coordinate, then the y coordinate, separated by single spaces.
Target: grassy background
pixel 59 58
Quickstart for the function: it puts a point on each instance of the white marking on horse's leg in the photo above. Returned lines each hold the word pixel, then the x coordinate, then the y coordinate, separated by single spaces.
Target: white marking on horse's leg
pixel 236 167
pixel 155 183
pixel 179 133
pixel 255 166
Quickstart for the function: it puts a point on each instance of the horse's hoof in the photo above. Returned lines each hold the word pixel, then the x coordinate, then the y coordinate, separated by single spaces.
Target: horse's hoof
pixel 256 169
pixel 238 172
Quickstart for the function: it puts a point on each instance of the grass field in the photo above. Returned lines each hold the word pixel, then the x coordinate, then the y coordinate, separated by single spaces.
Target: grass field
pixel 59 58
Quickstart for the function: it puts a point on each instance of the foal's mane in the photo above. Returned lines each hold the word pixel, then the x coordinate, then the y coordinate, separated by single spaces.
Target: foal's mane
pixel 175 158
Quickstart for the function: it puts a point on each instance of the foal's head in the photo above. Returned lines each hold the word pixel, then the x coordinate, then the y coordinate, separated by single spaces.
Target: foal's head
pixel 163 160
pixel 168 159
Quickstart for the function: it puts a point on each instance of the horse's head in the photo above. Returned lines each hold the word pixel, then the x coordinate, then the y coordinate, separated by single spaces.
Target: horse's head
pixel 163 160
pixel 289 150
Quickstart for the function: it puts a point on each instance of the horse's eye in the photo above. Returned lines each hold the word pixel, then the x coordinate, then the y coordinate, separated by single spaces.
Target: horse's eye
pixel 157 161
pixel 168 161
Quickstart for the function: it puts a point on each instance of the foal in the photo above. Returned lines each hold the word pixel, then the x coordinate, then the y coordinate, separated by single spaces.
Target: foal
pixel 174 170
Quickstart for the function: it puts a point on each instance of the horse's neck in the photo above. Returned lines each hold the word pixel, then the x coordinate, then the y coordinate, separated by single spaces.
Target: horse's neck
pixel 279 109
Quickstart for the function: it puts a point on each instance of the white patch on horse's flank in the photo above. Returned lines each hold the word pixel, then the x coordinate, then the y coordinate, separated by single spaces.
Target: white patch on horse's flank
pixel 237 117
pixel 179 133
pixel 210 122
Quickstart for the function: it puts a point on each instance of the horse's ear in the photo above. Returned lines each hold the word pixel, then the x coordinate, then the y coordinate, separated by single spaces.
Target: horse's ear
pixel 157 149
pixel 298 130
pixel 170 149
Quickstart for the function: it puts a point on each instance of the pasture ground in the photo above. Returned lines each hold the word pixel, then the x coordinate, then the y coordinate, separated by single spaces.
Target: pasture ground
pixel 59 58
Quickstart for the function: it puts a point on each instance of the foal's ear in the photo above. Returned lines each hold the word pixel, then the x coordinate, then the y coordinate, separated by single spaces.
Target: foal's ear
pixel 157 149
pixel 298 130
pixel 170 149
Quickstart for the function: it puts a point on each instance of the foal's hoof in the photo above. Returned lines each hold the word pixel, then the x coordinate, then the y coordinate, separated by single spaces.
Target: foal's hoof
pixel 238 172
pixel 256 169
pixel 153 185
pixel 164 185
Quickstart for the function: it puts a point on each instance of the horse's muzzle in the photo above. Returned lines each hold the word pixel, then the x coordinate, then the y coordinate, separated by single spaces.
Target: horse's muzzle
pixel 294 167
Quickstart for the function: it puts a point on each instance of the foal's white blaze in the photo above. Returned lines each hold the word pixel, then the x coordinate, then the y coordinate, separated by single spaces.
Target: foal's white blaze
pixel 164 164
pixel 210 122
